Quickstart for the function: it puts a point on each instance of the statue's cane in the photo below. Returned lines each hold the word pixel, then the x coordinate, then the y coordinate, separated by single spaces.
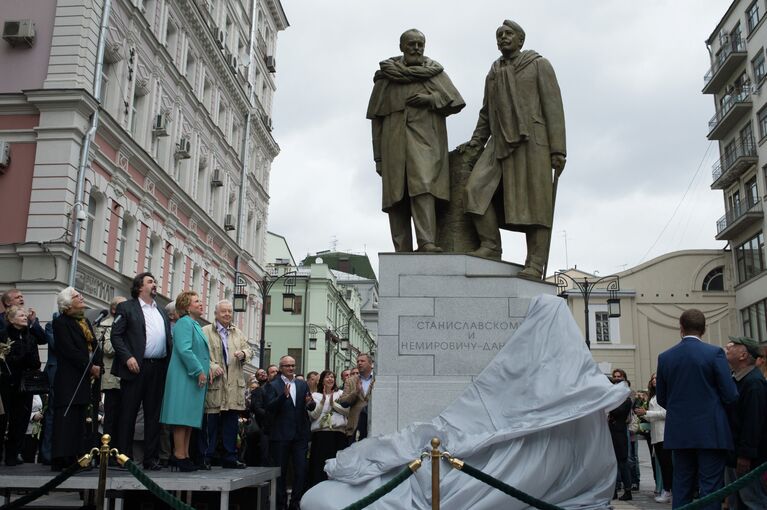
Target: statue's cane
pixel 548 238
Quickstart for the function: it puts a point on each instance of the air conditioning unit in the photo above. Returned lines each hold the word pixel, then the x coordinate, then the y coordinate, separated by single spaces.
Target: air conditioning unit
pixel 220 38
pixel 229 222
pixel 160 126
pixel 232 61
pixel 267 121
pixel 183 149
pixel 271 65
pixel 5 156
pixel 19 33
pixel 217 180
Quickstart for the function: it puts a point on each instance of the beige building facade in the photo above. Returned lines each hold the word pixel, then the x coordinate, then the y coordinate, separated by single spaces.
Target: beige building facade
pixel 652 297
pixel 736 81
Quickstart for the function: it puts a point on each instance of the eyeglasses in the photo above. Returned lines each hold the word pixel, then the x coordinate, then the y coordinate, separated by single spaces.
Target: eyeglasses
pixel 288 366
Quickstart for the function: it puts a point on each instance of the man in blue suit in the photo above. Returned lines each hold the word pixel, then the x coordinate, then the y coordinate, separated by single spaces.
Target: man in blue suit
pixel 694 385
pixel 287 400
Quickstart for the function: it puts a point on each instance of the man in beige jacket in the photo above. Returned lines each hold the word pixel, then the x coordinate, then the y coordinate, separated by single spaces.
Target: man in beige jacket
pixel 225 399
pixel 358 391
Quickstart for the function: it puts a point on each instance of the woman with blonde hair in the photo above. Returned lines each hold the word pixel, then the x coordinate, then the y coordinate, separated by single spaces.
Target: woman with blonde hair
pixel 20 356
pixel 186 382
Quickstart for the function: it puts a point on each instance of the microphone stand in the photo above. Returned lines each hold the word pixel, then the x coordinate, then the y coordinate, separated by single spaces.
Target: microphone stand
pixel 99 344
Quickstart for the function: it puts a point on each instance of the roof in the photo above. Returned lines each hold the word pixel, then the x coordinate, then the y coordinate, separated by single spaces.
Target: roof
pixel 345 262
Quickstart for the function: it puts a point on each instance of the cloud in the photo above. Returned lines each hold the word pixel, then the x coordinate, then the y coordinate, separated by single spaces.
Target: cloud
pixel 630 74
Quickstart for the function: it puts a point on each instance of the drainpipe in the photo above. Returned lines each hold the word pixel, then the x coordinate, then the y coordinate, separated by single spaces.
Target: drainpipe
pixel 79 215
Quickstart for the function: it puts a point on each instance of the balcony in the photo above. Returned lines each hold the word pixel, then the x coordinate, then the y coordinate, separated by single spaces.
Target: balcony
pixel 733 164
pixel 735 106
pixel 738 219
pixel 732 55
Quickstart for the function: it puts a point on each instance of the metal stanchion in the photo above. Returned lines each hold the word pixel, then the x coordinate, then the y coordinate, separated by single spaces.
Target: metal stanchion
pixel 435 455
pixel 103 452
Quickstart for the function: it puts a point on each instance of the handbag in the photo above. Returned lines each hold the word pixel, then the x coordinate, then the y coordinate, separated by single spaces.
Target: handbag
pixel 35 382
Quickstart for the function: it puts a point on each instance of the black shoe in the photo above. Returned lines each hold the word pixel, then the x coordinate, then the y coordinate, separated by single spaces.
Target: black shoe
pixel 626 496
pixel 233 464
pixel 152 466
pixel 185 465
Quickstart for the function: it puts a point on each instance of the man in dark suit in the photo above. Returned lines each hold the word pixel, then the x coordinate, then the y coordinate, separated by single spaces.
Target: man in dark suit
pixel 141 339
pixel 694 385
pixel 287 400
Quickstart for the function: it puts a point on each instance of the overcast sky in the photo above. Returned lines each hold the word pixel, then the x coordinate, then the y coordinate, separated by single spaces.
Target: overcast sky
pixel 630 73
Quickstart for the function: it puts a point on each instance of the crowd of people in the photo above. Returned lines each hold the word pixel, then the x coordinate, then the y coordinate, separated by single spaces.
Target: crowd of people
pixel 168 391
pixel 704 417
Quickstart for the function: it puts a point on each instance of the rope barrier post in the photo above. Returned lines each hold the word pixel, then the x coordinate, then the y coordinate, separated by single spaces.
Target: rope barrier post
pixel 435 458
pixel 103 465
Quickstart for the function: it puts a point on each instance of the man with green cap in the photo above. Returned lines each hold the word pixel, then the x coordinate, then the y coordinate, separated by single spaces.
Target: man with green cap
pixel 749 420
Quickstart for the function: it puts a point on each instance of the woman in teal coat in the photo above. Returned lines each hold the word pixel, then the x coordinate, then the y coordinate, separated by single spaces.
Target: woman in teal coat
pixel 186 382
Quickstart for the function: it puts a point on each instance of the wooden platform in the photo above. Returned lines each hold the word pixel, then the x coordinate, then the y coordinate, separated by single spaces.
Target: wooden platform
pixel 120 481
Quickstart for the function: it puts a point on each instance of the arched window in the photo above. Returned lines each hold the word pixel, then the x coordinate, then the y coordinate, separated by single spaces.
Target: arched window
pixel 714 280
pixel 94 226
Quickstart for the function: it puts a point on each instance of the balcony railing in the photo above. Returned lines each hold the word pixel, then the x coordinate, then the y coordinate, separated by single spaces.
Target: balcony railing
pixel 736 49
pixel 733 102
pixel 729 167
pixel 736 217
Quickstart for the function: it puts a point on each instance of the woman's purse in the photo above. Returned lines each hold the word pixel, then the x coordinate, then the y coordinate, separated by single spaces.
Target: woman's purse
pixel 34 382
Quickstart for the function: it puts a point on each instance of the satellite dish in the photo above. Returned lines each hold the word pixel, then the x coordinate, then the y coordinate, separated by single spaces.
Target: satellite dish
pixel 318 260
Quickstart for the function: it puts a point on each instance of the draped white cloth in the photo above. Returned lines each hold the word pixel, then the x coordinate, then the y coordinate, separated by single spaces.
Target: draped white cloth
pixel 534 418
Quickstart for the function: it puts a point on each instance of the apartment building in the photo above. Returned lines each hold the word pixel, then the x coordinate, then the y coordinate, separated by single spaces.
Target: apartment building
pixel 736 80
pixel 175 179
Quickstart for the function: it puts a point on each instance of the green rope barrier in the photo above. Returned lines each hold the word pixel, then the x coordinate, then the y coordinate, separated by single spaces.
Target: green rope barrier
pixel 44 489
pixel 727 489
pixel 165 496
pixel 506 488
pixel 386 488
pixel 542 505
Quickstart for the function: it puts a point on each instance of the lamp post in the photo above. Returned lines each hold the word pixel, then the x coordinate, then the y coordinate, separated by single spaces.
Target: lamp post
pixel 240 301
pixel 585 287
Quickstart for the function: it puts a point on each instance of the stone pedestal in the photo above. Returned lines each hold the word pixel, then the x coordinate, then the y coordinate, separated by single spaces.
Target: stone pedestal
pixel 442 318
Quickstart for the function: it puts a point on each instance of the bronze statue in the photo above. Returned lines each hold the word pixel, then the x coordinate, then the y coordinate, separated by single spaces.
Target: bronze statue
pixel 412 96
pixel 523 124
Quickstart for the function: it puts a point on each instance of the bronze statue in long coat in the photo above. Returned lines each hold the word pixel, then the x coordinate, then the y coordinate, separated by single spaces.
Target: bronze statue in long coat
pixel 523 124
pixel 412 96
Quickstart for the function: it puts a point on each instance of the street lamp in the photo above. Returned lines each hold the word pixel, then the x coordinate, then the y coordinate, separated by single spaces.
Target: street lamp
pixel 585 287
pixel 330 338
pixel 240 298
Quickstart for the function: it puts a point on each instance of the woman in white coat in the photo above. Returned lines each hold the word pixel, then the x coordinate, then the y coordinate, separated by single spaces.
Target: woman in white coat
pixel 656 415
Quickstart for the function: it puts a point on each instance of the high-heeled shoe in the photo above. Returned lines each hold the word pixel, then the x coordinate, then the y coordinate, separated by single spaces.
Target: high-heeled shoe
pixel 173 462
pixel 186 465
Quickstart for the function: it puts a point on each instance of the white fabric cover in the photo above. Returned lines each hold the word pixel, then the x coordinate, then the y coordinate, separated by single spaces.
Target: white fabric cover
pixel 534 418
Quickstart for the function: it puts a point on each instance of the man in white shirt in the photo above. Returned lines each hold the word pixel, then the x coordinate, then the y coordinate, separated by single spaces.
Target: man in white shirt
pixel 141 338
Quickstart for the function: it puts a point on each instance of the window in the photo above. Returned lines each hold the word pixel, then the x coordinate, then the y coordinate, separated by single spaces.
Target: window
pixel 90 225
pixel 762 116
pixel 602 321
pixel 747 137
pixel 714 280
pixel 752 193
pixel 297 305
pixel 733 204
pixel 754 320
pixel 297 354
pixel 752 16
pixel 757 64
pixel 749 258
